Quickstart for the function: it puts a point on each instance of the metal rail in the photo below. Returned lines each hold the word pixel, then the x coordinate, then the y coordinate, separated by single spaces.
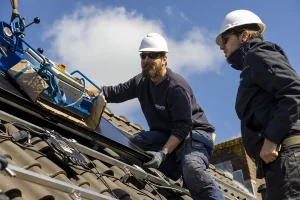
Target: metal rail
pixel 47 181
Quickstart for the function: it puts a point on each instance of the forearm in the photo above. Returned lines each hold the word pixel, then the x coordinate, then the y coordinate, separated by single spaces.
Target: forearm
pixel 119 93
pixel 171 144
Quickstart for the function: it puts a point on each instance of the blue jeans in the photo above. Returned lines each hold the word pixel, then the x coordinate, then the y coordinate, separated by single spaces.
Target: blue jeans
pixel 189 159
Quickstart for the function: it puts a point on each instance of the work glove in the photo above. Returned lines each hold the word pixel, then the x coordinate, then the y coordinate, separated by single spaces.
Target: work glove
pixel 92 91
pixel 3 162
pixel 157 159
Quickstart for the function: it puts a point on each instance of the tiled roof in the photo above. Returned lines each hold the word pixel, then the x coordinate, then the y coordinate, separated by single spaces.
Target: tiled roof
pixel 40 158
pixel 104 178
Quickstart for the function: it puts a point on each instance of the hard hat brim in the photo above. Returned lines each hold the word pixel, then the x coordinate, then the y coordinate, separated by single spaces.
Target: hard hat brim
pixel 153 50
pixel 219 37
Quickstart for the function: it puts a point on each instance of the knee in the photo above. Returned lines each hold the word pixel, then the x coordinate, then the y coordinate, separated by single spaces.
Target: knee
pixel 140 141
pixel 137 139
pixel 134 138
pixel 195 174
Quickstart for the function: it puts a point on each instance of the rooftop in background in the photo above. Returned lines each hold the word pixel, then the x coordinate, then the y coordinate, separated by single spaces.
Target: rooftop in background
pixel 237 163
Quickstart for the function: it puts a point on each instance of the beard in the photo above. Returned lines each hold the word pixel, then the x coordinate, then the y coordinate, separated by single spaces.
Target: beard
pixel 151 70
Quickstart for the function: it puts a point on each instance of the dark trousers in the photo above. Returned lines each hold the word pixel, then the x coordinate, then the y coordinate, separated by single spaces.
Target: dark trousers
pixel 190 160
pixel 283 175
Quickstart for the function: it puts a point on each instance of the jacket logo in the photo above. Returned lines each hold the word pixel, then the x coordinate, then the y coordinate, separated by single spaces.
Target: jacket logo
pixel 159 107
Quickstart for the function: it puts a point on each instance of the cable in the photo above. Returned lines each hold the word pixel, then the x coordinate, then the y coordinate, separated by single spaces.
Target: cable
pixel 110 176
pixel 153 189
pixel 25 127
pixel 101 178
pixel 91 171
pixel 6 137
pixel 23 146
pixel 83 94
pixel 136 189
pixel 165 187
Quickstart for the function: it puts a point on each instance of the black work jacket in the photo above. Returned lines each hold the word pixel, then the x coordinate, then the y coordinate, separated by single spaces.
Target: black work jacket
pixel 268 97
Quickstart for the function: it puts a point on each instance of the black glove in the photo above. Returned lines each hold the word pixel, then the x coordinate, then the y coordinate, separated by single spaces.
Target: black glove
pixel 3 162
pixel 158 157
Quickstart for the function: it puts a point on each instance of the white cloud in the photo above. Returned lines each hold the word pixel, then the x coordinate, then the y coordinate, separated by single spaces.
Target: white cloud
pixel 197 52
pixel 182 15
pixel 168 10
pixel 173 11
pixel 104 46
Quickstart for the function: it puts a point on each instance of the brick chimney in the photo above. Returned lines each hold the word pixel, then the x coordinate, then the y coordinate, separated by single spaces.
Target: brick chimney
pixel 231 156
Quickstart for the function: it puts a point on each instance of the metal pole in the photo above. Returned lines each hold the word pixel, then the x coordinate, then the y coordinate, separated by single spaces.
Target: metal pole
pixel 56 184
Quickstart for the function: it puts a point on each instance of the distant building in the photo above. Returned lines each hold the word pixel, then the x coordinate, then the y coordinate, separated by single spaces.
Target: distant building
pixel 230 156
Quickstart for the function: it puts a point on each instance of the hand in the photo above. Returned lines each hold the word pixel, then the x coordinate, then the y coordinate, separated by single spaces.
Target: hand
pixel 269 151
pixel 3 162
pixel 158 157
pixel 92 91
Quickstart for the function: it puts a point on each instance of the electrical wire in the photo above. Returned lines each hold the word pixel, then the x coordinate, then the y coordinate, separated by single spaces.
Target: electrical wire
pixel 165 187
pixel 6 137
pixel 31 149
pixel 110 176
pixel 26 127
pixel 101 178
pixel 153 189
pixel 133 188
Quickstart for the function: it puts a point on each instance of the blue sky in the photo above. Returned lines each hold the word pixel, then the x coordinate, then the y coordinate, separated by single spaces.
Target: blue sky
pixel 101 38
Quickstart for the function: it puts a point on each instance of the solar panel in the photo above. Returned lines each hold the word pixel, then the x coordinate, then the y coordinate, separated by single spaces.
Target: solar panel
pixel 13 102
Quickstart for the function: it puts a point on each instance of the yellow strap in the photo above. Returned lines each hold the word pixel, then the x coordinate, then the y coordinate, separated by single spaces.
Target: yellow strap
pixel 214 137
pixel 291 141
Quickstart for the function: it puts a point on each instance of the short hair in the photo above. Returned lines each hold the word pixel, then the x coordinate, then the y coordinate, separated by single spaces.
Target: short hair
pixel 253 29
pixel 162 54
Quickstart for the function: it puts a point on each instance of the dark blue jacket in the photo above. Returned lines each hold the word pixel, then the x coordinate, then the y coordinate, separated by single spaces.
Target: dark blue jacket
pixel 169 106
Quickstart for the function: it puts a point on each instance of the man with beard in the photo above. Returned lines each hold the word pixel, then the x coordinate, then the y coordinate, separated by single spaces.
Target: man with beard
pixel 180 136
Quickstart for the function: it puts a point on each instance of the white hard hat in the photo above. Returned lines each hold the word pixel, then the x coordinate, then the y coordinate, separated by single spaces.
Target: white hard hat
pixel 238 18
pixel 153 42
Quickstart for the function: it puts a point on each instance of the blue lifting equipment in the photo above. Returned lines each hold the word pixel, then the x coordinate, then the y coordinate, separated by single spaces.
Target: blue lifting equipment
pixel 60 88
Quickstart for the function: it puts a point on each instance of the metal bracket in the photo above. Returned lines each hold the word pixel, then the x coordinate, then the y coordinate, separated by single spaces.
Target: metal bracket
pixel 46 181
pixel 126 176
pixel 162 178
pixel 76 195
pixel 96 146
pixel 9 172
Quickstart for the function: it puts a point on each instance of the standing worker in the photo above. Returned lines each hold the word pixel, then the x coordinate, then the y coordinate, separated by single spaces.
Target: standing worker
pixel 267 102
pixel 180 136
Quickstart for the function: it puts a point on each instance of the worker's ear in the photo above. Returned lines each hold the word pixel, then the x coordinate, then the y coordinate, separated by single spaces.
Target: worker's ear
pixel 244 37
pixel 164 59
